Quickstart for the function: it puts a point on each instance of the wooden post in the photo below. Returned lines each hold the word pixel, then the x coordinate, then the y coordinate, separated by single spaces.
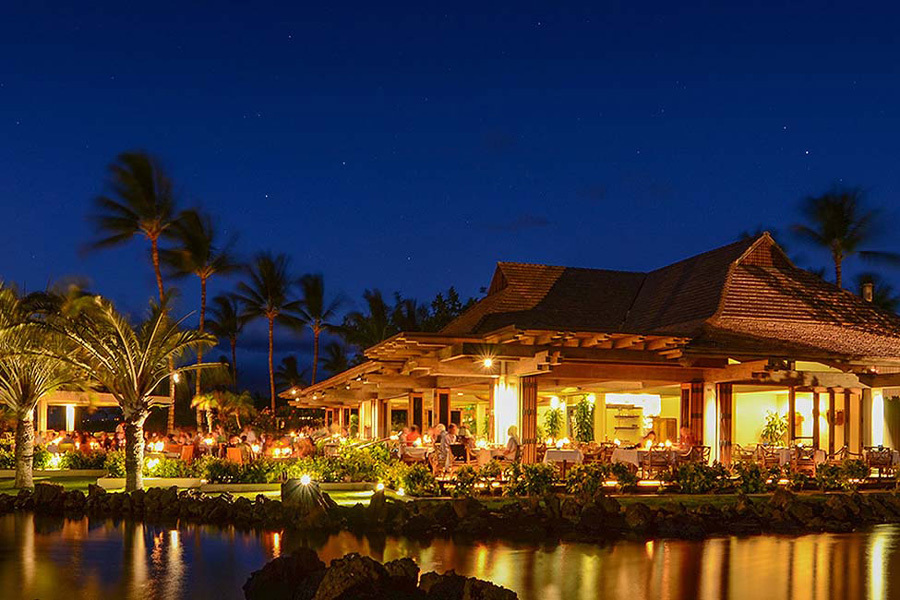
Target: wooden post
pixel 528 389
pixel 792 413
pixel 416 415
pixel 831 418
pixel 862 421
pixel 725 400
pixel 692 409
pixel 815 416
pixel 847 419
pixel 442 406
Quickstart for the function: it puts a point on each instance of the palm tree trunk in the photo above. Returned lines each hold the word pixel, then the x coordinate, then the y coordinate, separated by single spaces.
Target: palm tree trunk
pixel 272 361
pixel 200 350
pixel 24 452
pixel 234 362
pixel 134 453
pixel 154 255
pixel 837 271
pixel 316 333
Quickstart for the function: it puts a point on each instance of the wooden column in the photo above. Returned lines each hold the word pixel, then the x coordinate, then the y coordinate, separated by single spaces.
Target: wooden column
pixel 816 434
pixel 792 414
pixel 846 439
pixel 416 414
pixel 862 421
pixel 725 401
pixel 490 415
pixel 692 409
pixel 384 419
pixel 528 389
pixel 685 415
pixel 832 407
pixel 442 407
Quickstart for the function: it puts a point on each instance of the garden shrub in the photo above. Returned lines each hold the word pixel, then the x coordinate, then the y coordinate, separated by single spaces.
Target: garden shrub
pixel 530 480
pixel 7 458
pixel 264 470
pixel 82 460
pixel 624 476
pixel 829 477
pixel 490 470
pixel 166 467
pixel 41 458
pixel 586 481
pixel 394 474
pixel 797 480
pixel 698 478
pixel 220 470
pixel 465 483
pixel 419 481
pixel 750 478
pixel 114 463
pixel 854 469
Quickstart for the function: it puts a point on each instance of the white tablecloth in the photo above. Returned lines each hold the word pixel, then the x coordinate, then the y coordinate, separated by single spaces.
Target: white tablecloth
pixel 417 453
pixel 558 456
pixel 485 455
pixel 632 456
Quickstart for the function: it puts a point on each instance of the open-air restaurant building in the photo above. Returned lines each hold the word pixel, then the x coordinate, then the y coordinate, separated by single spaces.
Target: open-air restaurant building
pixel 715 343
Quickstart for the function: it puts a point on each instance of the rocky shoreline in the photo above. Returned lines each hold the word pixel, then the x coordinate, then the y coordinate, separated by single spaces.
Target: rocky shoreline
pixel 302 576
pixel 547 518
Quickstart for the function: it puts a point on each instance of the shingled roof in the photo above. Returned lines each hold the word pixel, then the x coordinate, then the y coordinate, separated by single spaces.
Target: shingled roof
pixel 746 289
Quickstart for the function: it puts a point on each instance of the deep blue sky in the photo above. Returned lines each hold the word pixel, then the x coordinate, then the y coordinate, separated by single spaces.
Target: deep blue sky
pixel 409 147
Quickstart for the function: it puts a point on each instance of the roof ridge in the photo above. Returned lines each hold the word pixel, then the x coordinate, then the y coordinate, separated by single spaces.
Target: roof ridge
pixel 568 268
pixel 749 241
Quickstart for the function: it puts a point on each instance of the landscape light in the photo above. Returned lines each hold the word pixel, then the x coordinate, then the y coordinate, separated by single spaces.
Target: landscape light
pixel 401 491
pixel 305 479
pixel 379 487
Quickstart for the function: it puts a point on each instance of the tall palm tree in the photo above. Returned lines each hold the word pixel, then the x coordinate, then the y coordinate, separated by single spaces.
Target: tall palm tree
pixel 196 252
pixel 317 312
pixel 336 359
pixel 268 294
pixel 227 323
pixel 289 375
pixel 365 329
pixel 128 362
pixel 141 203
pixel 26 374
pixel 839 222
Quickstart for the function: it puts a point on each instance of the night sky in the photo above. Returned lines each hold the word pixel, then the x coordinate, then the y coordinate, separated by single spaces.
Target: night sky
pixel 410 147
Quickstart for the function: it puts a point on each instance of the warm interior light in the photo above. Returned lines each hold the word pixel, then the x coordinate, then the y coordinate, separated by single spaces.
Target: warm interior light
pixel 554 402
pixel 488 362
pixel 176 377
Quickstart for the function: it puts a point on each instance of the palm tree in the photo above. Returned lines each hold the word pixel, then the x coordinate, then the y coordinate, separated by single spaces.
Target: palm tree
pixel 26 374
pixel 197 253
pixel 408 314
pixel 227 323
pixel 317 312
pixel 336 359
pixel 268 294
pixel 288 375
pixel 128 362
pixel 839 222
pixel 237 406
pixel 365 329
pixel 141 203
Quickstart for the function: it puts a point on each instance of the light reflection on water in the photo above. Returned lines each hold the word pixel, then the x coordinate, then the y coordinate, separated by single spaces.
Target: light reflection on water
pixel 52 559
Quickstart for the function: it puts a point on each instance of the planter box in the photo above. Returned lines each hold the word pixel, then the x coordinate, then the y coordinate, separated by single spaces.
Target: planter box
pixel 114 483
pixel 10 473
pixel 239 488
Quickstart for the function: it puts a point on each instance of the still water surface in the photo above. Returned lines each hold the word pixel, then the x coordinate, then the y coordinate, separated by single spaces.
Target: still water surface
pixel 58 559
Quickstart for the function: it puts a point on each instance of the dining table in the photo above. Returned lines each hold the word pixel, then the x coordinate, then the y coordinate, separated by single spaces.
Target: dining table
pixel 486 455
